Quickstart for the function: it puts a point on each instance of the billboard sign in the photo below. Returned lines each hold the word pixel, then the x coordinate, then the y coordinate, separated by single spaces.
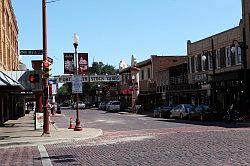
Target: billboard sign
pixel 83 63
pixel 68 63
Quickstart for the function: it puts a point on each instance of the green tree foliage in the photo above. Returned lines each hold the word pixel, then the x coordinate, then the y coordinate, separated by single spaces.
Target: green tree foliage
pixel 100 68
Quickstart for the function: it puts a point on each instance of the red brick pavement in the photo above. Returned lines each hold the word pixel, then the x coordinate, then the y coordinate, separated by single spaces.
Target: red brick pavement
pixel 20 156
pixel 170 130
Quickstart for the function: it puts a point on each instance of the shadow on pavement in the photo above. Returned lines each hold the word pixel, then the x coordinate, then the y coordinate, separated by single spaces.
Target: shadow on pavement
pixel 208 123
pixel 60 159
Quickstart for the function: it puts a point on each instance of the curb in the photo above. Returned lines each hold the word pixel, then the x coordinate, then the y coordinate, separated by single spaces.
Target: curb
pixel 59 136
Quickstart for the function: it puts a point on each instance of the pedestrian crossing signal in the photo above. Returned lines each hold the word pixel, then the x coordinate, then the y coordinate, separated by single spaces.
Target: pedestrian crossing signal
pixel 34 78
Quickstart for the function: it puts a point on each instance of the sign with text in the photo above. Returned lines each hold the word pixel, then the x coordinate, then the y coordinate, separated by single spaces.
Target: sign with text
pixel 76 84
pixel 91 78
pixel 38 121
pixel 68 63
pixel 83 63
pixel 31 52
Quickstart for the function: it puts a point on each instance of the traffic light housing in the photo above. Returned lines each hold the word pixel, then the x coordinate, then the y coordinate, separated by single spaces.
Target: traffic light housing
pixel 46 69
pixel 34 78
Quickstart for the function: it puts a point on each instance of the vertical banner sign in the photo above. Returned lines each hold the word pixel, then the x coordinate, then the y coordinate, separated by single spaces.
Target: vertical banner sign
pixel 68 63
pixel 76 84
pixel 83 63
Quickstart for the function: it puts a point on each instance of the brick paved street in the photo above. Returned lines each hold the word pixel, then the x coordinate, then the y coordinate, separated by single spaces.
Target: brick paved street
pixel 130 139
pixel 198 148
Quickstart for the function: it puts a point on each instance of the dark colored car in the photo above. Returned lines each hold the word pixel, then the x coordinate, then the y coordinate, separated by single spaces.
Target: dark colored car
pixel 163 111
pixel 204 112
pixel 88 104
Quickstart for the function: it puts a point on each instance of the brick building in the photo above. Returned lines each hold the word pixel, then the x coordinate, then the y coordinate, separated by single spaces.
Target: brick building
pixel 220 72
pixel 11 100
pixel 149 79
pixel 8 37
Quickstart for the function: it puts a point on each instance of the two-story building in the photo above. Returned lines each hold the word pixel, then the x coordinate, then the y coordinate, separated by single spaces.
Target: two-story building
pixel 220 64
pixel 148 79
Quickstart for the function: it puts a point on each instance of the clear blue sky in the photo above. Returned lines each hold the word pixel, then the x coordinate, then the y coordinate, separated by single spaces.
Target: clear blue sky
pixel 111 30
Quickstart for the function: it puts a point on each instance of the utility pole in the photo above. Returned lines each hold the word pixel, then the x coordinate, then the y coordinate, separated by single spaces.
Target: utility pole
pixel 45 79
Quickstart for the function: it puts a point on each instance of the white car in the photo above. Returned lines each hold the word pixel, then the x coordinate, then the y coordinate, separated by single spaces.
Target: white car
pixel 113 106
pixel 81 105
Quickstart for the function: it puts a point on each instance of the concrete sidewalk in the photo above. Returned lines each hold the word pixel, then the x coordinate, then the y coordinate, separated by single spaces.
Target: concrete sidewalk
pixel 21 132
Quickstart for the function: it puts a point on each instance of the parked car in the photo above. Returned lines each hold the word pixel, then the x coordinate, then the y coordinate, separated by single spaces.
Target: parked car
pixel 88 104
pixel 81 105
pixel 182 111
pixel 163 111
pixel 204 112
pixel 114 106
pixel 102 105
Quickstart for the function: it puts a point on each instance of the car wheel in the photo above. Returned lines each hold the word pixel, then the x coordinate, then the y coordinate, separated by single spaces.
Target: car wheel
pixel 181 116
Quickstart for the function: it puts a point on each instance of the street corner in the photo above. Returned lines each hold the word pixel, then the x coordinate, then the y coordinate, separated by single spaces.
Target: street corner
pixel 65 135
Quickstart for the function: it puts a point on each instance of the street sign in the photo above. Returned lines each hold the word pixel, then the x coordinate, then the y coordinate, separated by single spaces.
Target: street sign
pixel 76 84
pixel 31 52
pixel 50 60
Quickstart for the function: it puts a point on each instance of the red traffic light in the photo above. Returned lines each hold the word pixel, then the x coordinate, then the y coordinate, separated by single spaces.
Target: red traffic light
pixel 33 78
pixel 46 64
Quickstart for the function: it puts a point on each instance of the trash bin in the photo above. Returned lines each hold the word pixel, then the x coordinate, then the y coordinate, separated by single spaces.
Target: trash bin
pixel 58 109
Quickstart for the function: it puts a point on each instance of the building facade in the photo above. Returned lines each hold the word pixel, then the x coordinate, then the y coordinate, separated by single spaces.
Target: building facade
pixel 8 37
pixel 222 72
pixel 149 79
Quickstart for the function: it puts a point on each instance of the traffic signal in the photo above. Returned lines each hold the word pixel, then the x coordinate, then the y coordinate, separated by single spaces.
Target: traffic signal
pixel 46 69
pixel 34 78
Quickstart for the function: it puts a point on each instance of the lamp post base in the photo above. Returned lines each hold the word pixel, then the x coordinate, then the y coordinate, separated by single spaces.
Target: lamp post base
pixel 78 127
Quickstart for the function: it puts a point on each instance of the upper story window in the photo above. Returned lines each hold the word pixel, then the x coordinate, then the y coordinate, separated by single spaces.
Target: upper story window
pixel 218 58
pixel 238 55
pixel 228 56
pixel 142 74
pixel 149 75
pixel 199 65
pixel 223 57
pixel 195 64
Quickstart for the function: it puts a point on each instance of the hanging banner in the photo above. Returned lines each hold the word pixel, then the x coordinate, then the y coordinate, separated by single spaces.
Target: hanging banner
pixel 68 63
pixel 83 63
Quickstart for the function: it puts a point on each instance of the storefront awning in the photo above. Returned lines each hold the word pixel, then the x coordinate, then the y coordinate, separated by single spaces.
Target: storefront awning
pixel 7 83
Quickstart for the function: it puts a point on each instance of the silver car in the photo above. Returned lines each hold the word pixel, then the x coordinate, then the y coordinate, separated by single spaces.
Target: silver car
pixel 181 111
pixel 81 105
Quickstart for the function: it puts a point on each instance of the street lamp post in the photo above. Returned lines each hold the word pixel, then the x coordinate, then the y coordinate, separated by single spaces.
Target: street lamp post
pixel 98 98
pixel 75 43
pixel 213 56
pixel 133 94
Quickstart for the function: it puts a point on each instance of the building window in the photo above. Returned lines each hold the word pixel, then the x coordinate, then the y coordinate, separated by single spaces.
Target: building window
pixel 210 62
pixel 189 65
pixel 222 57
pixel 192 65
pixel 142 74
pixel 238 55
pixel 218 58
pixel 228 56
pixel 199 62
pixel 149 73
pixel 195 64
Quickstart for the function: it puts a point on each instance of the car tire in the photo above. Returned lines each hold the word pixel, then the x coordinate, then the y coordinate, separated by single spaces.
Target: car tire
pixel 181 116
